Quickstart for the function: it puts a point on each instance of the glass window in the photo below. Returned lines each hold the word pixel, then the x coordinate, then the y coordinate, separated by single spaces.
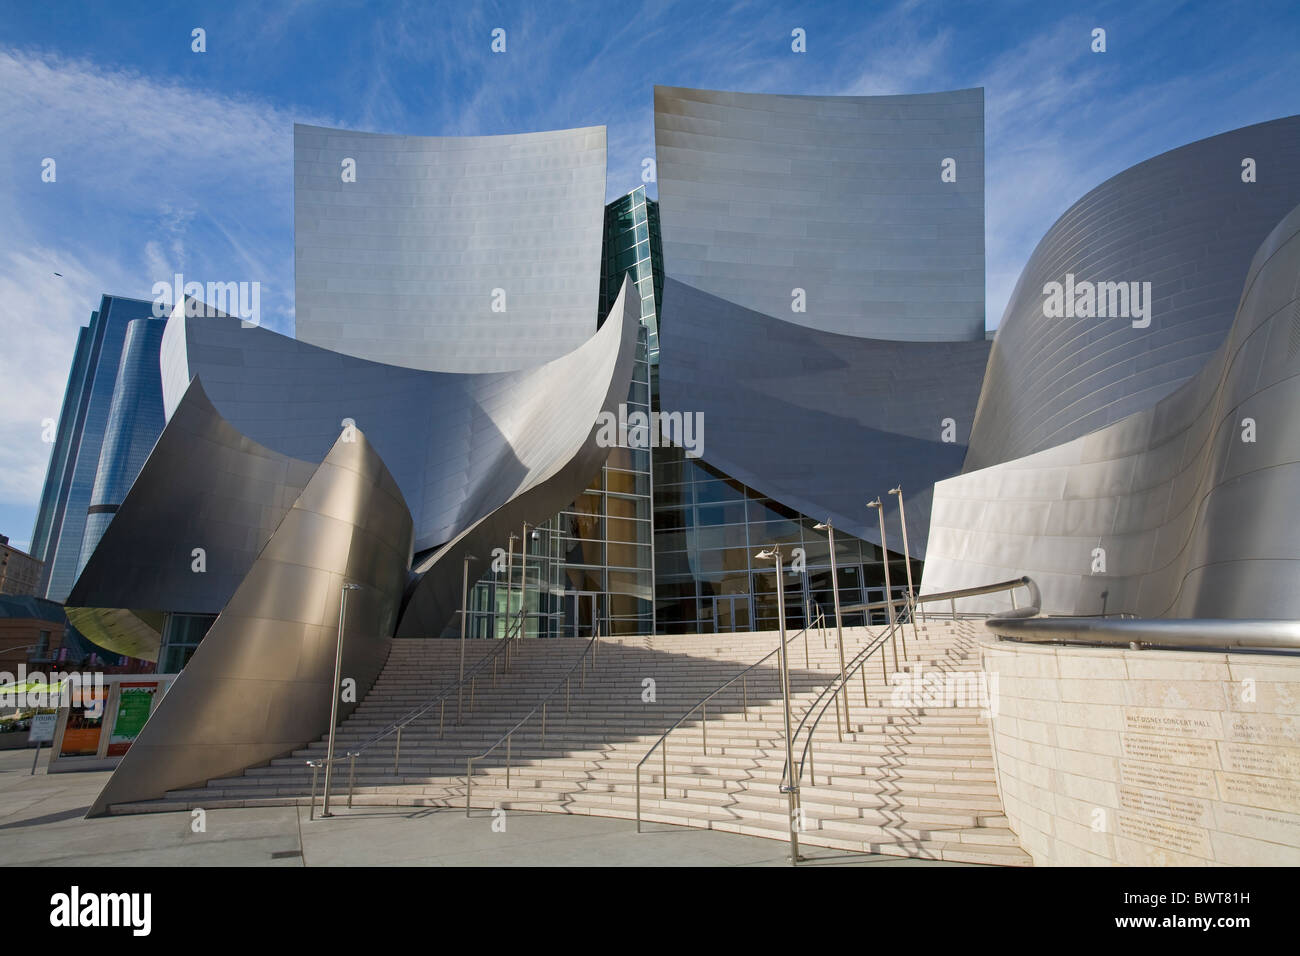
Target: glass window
pixel 627 482
pixel 721 560
pixel 776 532
pixel 628 529
pixel 631 582
pixel 720 536
pixel 620 507
pixel 714 491
pixel 585 579
pixel 627 555
pixel 630 459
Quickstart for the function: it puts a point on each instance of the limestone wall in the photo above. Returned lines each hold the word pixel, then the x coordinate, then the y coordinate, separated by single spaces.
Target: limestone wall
pixel 1149 757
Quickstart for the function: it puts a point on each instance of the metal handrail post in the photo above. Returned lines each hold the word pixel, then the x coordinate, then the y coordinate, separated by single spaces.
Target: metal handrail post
pixel 352 777
pixel 663 778
pixel 907 560
pixel 793 786
pixel 464 621
pixel 334 695
pixel 829 526
pixel 889 591
pixel 704 729
pixel 315 771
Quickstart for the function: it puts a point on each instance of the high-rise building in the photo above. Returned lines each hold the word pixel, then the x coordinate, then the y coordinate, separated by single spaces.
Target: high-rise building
pixel 88 401
pixel 135 420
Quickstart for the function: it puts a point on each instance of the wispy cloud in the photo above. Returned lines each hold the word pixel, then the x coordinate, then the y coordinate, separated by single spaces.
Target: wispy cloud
pixel 152 177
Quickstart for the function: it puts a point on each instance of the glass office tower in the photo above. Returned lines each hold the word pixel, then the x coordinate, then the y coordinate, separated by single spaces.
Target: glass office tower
pixel 135 420
pixel 61 519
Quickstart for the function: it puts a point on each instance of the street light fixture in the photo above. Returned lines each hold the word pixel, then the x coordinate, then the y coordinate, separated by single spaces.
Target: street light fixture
pixel 792 788
pixel 889 591
pixel 907 560
pixel 829 528
pixel 334 695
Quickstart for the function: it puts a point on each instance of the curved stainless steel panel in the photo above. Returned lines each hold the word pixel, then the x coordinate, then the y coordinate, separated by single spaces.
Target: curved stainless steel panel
pixel 818 421
pixel 840 196
pixel 549 466
pixel 259 685
pixel 1188 502
pixel 205 486
pixel 431 226
pixel 457 445
pixel 1183 221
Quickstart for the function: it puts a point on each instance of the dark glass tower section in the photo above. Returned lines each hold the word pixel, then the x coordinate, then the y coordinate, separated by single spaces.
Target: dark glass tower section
pixel 135 420
pixel 74 461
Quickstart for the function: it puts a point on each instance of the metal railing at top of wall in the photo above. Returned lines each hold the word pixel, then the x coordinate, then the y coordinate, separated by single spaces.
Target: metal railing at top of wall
pixel 1186 634
pixel 540 707
pixel 498 655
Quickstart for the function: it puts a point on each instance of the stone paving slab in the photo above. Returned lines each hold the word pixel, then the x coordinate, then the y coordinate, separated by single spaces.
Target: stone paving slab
pixel 42 824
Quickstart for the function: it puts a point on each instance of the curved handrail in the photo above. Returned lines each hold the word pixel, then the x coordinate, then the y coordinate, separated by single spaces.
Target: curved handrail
pixel 540 705
pixel 832 690
pixel 514 631
pixel 694 707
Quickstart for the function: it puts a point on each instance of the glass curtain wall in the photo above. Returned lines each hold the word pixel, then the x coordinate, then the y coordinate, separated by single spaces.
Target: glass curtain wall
pixel 708 527
pixel 595 559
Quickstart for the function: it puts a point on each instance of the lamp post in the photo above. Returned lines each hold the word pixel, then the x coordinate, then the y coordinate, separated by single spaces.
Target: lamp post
pixel 523 575
pixel 907 560
pixel 510 577
pixel 889 596
pixel 334 695
pixel 464 620
pixel 829 528
pixel 792 788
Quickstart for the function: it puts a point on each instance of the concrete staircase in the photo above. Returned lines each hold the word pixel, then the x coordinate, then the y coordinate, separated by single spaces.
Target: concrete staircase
pixel 905 780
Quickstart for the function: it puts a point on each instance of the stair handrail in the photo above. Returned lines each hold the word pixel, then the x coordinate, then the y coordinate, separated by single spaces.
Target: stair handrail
pixel 566 679
pixel 514 631
pixel 743 677
pixel 831 691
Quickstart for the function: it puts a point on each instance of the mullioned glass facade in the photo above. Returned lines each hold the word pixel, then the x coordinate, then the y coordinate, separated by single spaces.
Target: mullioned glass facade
pixel 61 519
pixel 135 420
pixel 659 542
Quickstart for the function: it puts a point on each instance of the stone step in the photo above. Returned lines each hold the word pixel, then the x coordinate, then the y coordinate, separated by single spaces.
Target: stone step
pixel 902 780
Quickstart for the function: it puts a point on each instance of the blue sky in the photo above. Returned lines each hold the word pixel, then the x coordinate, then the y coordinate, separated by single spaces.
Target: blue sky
pixel 170 160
